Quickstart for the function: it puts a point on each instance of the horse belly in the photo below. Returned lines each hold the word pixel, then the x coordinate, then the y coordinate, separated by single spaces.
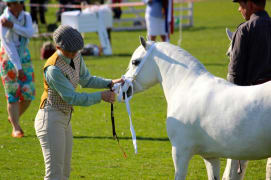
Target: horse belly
pixel 249 138
pixel 246 138
pixel 238 128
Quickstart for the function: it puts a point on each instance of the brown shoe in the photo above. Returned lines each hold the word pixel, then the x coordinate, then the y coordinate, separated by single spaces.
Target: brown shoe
pixel 17 134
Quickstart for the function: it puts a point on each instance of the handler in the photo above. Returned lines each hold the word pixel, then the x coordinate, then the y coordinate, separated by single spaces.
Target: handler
pixel 250 61
pixel 16 68
pixel 63 71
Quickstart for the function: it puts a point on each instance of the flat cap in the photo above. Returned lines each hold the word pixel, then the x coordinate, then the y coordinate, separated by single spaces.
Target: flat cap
pixel 68 38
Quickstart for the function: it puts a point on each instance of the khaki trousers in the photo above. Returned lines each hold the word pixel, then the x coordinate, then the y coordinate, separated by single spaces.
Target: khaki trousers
pixel 54 132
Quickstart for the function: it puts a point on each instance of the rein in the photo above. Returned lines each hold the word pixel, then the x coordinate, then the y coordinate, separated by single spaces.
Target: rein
pixel 115 136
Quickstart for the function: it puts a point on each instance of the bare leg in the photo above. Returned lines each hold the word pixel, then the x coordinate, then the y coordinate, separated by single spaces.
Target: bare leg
pixel 13 113
pixel 15 110
pixel 152 38
pixel 23 105
pixel 213 168
pixel 164 38
pixel 231 169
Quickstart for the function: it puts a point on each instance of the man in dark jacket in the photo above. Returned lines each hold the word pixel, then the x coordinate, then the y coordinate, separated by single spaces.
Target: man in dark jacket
pixel 250 62
pixel 250 59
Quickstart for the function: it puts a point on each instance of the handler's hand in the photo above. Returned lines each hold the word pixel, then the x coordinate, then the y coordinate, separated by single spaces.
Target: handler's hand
pixel 120 80
pixel 6 23
pixel 108 96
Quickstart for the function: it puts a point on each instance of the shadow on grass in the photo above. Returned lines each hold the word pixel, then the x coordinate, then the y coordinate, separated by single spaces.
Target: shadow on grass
pixel 200 28
pixel 139 138
pixel 122 55
pixel 105 58
pixel 215 64
pixel 122 138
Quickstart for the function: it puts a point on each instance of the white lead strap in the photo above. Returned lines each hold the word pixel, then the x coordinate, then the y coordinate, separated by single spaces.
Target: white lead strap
pixel 131 123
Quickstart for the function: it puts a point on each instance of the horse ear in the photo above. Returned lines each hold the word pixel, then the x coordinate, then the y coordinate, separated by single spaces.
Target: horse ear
pixel 229 34
pixel 143 42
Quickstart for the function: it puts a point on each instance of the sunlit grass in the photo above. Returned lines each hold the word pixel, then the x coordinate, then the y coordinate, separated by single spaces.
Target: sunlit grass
pixel 95 154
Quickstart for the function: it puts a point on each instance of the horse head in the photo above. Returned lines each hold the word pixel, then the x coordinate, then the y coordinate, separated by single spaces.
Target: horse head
pixel 141 68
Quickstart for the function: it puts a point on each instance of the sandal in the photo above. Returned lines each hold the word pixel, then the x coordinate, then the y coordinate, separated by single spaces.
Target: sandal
pixel 17 134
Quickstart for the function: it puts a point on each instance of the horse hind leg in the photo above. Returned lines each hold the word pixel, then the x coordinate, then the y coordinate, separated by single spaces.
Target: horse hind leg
pixel 181 160
pixel 213 168
pixel 231 170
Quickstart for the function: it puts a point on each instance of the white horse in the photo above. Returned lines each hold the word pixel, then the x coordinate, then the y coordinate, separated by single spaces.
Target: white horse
pixel 206 115
pixel 232 170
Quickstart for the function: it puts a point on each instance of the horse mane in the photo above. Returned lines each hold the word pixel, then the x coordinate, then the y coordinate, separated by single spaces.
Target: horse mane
pixel 180 55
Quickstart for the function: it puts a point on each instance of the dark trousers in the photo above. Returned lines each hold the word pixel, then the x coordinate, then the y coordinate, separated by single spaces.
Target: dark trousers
pixel 34 11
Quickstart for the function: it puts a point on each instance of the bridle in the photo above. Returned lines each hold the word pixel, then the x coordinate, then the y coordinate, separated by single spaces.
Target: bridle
pixel 142 62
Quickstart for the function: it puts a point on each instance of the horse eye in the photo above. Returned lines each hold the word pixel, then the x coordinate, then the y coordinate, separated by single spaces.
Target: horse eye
pixel 135 62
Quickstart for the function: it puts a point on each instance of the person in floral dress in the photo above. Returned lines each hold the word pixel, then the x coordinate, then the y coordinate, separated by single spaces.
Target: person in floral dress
pixel 16 69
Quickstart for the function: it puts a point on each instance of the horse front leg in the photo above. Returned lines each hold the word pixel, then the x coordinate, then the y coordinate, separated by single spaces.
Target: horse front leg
pixel 213 168
pixel 268 169
pixel 181 159
pixel 231 170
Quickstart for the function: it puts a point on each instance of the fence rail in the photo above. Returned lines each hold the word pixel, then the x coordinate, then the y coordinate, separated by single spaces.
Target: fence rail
pixel 138 22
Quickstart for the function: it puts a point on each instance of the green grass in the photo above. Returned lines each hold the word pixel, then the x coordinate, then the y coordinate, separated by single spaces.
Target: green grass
pixel 95 154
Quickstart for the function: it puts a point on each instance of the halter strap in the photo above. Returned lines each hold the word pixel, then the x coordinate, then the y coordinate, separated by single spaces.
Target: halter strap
pixel 143 61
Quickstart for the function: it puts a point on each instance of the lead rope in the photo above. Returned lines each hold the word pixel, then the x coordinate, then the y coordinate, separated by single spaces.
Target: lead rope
pixel 115 136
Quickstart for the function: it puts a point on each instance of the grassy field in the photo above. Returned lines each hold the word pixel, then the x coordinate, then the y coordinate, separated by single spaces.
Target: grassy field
pixel 95 154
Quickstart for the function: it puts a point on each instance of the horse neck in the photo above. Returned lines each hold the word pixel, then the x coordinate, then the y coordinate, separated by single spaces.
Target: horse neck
pixel 174 73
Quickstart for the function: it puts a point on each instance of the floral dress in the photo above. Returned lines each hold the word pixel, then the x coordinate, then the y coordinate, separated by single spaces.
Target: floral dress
pixel 17 89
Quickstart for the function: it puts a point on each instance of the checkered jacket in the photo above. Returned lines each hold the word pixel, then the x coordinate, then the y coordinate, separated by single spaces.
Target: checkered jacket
pixel 51 97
